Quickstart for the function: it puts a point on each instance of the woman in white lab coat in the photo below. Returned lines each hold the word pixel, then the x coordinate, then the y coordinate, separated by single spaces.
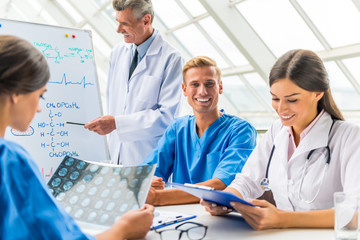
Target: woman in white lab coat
pixel 305 156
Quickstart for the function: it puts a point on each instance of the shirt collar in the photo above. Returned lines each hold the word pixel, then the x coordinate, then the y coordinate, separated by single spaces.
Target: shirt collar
pixel 142 48
pixel 308 128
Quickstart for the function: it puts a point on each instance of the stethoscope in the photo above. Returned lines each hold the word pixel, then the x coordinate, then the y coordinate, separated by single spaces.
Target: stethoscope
pixel 265 181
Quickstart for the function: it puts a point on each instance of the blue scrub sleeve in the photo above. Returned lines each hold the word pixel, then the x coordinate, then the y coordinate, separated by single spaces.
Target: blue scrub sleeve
pixel 30 211
pixel 241 143
pixel 164 154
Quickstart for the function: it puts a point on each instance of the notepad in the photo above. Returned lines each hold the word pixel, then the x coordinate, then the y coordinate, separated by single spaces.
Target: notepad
pixel 219 197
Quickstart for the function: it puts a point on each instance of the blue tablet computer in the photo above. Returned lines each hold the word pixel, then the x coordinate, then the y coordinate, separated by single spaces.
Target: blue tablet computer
pixel 208 194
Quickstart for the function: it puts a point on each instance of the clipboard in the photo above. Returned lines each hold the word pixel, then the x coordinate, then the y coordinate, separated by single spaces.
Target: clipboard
pixel 219 197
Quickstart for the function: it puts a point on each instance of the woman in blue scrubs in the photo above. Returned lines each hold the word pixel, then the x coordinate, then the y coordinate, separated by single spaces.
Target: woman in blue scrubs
pixel 28 210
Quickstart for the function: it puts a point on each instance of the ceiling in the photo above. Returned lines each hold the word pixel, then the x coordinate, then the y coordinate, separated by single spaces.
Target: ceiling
pixel 245 37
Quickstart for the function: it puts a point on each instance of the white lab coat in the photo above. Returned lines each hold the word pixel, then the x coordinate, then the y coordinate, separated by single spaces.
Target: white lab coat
pixel 144 105
pixel 285 176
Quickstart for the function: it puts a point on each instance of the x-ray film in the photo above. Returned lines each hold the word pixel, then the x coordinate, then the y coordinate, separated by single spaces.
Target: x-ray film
pixel 99 194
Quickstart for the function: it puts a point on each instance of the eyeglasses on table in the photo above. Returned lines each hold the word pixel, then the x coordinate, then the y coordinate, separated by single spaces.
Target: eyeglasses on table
pixel 193 230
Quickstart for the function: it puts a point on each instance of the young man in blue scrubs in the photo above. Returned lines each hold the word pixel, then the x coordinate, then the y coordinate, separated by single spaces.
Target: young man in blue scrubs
pixel 206 148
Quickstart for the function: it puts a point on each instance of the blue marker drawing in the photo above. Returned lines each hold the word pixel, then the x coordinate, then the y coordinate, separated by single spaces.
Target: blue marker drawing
pixel 66 82
pixel 53 53
pixel 28 132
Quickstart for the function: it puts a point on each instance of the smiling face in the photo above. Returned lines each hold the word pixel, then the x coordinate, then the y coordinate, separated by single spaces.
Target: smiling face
pixel 134 30
pixel 295 106
pixel 24 108
pixel 202 89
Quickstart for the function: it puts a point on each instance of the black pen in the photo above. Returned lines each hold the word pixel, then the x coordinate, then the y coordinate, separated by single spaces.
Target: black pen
pixel 75 123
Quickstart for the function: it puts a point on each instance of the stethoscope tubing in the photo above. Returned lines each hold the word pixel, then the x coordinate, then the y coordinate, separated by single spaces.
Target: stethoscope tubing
pixel 265 181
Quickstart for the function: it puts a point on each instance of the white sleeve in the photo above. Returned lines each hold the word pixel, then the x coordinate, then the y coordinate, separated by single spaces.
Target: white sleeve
pixel 247 182
pixel 349 156
pixel 153 122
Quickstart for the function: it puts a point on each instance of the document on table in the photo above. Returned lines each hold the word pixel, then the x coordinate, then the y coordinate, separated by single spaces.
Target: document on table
pixel 166 218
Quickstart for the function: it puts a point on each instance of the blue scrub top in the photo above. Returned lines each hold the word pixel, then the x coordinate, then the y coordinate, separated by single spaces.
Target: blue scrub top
pixel 28 209
pixel 221 152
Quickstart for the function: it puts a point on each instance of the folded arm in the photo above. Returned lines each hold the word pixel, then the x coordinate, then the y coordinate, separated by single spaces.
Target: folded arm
pixel 175 196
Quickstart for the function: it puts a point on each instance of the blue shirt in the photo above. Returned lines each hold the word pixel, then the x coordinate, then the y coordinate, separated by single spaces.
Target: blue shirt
pixel 143 47
pixel 221 152
pixel 28 209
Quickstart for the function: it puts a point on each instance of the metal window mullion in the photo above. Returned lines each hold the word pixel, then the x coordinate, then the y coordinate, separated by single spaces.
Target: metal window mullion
pixel 99 23
pixel 207 36
pixel 235 2
pixel 231 103
pixel 256 94
pixel 102 7
pixel 348 75
pixel 187 23
pixel 171 36
pixel 325 44
pixel 357 4
pixel 310 24
pixel 228 61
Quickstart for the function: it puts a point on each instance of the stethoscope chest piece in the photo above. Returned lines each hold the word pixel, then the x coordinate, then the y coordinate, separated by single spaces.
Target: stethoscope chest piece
pixel 264 184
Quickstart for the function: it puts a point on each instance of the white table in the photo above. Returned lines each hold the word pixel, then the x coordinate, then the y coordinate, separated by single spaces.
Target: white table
pixel 230 227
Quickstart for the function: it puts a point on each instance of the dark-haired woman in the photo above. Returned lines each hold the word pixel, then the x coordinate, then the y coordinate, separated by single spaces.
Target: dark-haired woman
pixel 306 156
pixel 27 209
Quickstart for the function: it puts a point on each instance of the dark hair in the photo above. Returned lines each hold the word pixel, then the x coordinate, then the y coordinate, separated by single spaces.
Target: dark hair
pixel 307 71
pixel 139 7
pixel 23 69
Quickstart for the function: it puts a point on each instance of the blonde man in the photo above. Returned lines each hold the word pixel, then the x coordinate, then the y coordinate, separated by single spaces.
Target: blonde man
pixel 206 148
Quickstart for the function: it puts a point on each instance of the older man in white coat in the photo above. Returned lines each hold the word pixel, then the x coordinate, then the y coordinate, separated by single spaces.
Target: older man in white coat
pixel 144 86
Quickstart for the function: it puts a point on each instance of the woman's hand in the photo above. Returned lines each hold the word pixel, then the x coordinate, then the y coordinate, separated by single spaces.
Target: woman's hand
pixel 215 209
pixel 263 216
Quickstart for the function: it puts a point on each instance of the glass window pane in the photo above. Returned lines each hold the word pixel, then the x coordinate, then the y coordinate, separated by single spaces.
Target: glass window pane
pixel 353 64
pixel 48 19
pixel 109 11
pixel 169 12
pixel 101 2
pixel 239 95
pixel 36 5
pixel 279 25
pixel 198 45
pixel 71 10
pixel 194 7
pixel 11 11
pixel 337 20
pixel 223 41
pixel 261 87
pixel 98 41
pixel 343 92
pixel 260 123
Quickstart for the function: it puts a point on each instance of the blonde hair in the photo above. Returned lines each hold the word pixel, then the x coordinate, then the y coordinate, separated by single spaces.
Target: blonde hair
pixel 201 61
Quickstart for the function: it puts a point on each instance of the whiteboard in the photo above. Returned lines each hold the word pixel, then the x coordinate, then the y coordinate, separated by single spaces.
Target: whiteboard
pixel 72 95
